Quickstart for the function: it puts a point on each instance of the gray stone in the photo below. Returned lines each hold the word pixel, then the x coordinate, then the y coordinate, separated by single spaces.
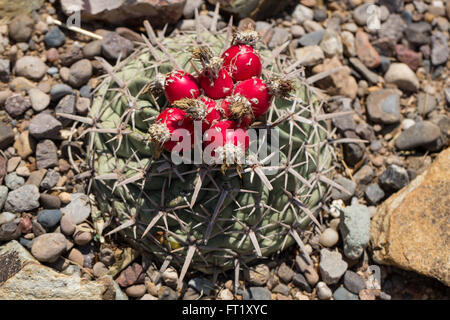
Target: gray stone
pixel 13 181
pixel 80 73
pixel 21 28
pixel 353 152
pixel 348 185
pixel 394 6
pixel 16 105
pixel 421 134
pixel 46 154
pixel 190 6
pixel 331 266
pixel 49 218
pixel 60 90
pixel 393 28
pixel 25 198
pixel 369 75
pixel 364 175
pixel 353 282
pixel 425 103
pixel 92 49
pixel 79 209
pixel 3 196
pixel 66 105
pixel 344 294
pixel 285 273
pixel 50 180
pixel 39 100
pixel 374 194
pixel 302 14
pixel 300 281
pixel 355 230
pixel 383 106
pixel 9 231
pixel 281 288
pixel 6 217
pixel 258 293
pixel 439 48
pixel 115 46
pixel 297 32
pixel 49 201
pixel 311 38
pixel 323 292
pixel 4 70
pixel 331 43
pixel 361 14
pixel 31 68
pixel 201 285
pixel 44 126
pixel 279 37
pixel 418 33
pixel 54 38
pixel 6 135
pixel 393 178
pixel 402 76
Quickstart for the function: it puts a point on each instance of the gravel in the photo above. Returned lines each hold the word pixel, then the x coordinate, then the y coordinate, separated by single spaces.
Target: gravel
pixel 353 282
pixel 25 198
pixel 393 178
pixel 31 68
pixel 48 247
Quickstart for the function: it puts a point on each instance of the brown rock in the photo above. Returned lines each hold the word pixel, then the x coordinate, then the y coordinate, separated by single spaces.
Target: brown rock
pixel 365 51
pixel 410 229
pixel 338 83
pixel 259 9
pixel 411 58
pixel 134 274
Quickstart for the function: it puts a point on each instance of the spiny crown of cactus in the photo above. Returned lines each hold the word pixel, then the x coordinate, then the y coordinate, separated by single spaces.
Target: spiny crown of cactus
pixel 206 216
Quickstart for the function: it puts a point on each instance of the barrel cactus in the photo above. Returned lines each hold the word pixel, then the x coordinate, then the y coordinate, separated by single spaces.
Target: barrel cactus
pixel 204 216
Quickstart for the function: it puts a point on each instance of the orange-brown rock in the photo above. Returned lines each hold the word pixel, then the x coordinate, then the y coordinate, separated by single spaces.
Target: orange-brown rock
pixel 411 229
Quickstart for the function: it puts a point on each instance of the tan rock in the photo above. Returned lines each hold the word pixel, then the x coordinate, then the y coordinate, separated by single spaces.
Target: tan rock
pixel 338 82
pixel 411 229
pixel 24 278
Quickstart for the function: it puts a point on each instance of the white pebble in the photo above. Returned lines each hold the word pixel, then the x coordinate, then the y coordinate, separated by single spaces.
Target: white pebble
pixel 329 238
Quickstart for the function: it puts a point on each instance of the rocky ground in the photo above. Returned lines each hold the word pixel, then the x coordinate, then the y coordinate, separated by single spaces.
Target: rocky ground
pixel 394 78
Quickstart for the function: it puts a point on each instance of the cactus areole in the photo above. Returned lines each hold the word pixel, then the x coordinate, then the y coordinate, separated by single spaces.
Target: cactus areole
pixel 207 216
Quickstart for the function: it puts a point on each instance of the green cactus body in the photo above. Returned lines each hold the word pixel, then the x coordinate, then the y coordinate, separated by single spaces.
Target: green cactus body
pixel 232 218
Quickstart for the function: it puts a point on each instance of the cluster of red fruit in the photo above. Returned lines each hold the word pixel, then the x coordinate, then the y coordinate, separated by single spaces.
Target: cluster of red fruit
pixel 227 95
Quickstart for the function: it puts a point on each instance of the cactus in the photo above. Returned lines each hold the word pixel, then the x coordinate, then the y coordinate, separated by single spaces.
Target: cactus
pixel 204 217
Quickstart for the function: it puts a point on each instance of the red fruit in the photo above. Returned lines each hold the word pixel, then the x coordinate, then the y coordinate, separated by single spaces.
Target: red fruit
pixel 213 113
pixel 180 85
pixel 216 87
pixel 239 109
pixel 260 93
pixel 166 125
pixel 257 92
pixel 233 141
pixel 203 109
pixel 242 62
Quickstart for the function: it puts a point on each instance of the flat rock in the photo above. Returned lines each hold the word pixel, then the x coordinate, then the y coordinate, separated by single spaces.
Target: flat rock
pixel 410 229
pixel 21 28
pixel 44 126
pixel 421 134
pixel 6 135
pixel 365 51
pixel 24 278
pixel 80 73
